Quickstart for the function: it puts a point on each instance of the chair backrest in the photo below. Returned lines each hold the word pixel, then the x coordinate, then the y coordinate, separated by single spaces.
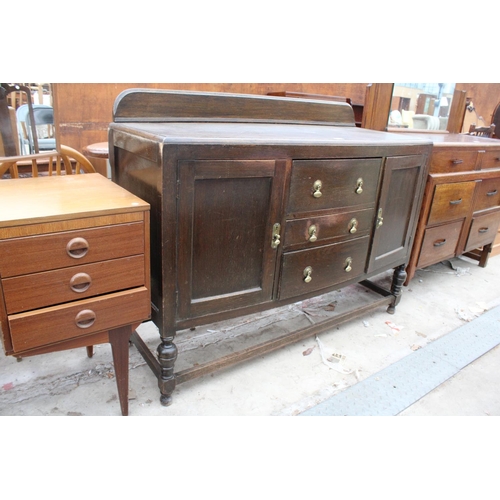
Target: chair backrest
pixel 482 131
pixel 65 161
pixel 44 128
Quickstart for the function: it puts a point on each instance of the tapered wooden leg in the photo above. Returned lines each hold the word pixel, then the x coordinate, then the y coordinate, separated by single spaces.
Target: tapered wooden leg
pixel 119 340
pixel 90 351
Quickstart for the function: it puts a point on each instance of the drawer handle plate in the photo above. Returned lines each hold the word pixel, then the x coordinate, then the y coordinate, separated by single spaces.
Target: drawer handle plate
pixel 85 318
pixel 439 243
pixel 307 274
pixel 276 238
pixel 77 248
pixel 359 186
pixel 317 189
pixel 492 193
pixel 313 236
pixel 353 225
pixel 380 219
pixel 80 282
pixel 456 202
pixel 348 265
pixel 483 229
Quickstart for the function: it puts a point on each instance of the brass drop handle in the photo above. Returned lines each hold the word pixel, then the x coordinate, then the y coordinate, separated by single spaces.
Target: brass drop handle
pixel 317 189
pixel 276 238
pixel 313 236
pixel 348 265
pixel 380 219
pixel 80 282
pixel 77 248
pixel 359 186
pixel 353 226
pixel 307 274
pixel 85 318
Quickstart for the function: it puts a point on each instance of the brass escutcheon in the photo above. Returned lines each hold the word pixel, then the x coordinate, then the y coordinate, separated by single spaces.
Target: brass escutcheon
pixel 317 189
pixel 275 241
pixel 380 219
pixel 312 233
pixel 307 274
pixel 353 226
pixel 359 186
pixel 348 265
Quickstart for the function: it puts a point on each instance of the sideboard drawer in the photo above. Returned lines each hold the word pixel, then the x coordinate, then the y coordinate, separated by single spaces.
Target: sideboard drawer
pixel 34 291
pixel 491 159
pixel 483 230
pixel 70 248
pixel 450 161
pixel 439 243
pixel 305 271
pixel 451 201
pixel 329 184
pixel 487 194
pixel 318 230
pixel 57 323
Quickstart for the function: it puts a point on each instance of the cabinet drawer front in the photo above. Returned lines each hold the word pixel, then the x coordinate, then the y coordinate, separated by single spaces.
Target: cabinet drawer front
pixel 325 184
pixel 451 201
pixel 483 230
pixel 328 266
pixel 70 248
pixel 69 321
pixel 450 161
pixel 487 194
pixel 439 243
pixel 318 230
pixel 34 291
pixel 490 159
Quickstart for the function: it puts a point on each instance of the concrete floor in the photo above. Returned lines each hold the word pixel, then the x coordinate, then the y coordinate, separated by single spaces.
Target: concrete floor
pixel 292 380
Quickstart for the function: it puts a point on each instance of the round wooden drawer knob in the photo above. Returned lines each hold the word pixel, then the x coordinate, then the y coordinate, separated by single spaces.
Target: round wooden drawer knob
pixel 85 318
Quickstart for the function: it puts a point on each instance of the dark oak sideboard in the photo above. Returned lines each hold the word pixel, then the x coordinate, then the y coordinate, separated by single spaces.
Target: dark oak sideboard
pixel 460 212
pixel 258 202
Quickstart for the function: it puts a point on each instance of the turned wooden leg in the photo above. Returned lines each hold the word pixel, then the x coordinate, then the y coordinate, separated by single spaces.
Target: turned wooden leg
pixel 398 278
pixel 167 354
pixel 119 340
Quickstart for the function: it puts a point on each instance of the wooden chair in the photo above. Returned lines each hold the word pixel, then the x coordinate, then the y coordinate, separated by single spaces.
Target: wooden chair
pixel 64 161
pixel 482 131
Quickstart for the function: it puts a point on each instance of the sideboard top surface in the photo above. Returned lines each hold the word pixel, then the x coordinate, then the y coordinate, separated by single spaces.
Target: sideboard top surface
pixel 265 134
pixel 448 140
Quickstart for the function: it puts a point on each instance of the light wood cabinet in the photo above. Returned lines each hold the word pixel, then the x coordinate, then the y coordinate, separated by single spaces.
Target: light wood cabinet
pixel 74 267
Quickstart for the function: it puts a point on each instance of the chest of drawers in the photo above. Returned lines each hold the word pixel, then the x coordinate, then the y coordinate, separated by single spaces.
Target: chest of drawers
pixel 74 267
pixel 461 209
pixel 258 202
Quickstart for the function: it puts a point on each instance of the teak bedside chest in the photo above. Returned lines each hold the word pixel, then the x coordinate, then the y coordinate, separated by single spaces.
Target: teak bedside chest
pixel 74 267
pixel 258 202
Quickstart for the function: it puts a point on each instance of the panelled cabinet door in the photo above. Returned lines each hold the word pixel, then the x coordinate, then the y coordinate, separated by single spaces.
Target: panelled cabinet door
pixel 396 211
pixel 227 245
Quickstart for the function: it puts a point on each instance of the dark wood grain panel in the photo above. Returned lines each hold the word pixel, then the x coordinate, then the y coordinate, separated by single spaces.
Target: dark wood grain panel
pixel 328 263
pixel 339 182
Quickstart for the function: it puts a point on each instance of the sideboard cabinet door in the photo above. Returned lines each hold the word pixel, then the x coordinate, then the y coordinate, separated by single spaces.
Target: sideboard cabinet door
pixel 226 254
pixel 402 187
